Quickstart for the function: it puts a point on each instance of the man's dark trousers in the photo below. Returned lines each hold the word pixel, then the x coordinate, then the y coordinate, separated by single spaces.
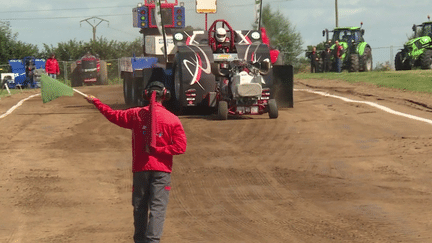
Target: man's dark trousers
pixel 150 201
pixel 338 64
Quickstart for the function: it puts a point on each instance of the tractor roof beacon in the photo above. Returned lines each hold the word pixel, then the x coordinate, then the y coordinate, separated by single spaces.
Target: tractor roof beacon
pixel 233 77
pixel 357 53
pixel 417 51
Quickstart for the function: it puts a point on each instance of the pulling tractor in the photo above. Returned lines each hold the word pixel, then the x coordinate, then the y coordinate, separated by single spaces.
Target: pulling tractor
pixel 241 80
pixel 25 73
pixel 417 52
pixel 88 70
pixel 357 54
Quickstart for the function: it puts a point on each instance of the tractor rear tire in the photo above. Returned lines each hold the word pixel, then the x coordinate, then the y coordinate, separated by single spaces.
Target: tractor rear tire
pixel 367 60
pixel 223 110
pixel 273 110
pixel 353 63
pixel 103 74
pixel 426 59
pixel 177 99
pixel 127 88
pixel 135 94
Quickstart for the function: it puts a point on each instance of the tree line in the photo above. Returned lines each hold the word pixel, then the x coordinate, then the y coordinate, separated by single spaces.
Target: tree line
pixel 72 50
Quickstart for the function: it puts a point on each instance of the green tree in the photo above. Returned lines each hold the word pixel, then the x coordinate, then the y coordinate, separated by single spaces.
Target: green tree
pixel 283 35
pixel 106 49
pixel 6 38
pixel 10 48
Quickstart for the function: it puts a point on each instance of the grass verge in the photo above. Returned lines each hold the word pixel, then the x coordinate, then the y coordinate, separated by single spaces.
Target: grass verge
pixel 414 80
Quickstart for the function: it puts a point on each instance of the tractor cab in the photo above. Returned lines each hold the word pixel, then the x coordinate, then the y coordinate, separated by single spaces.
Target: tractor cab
pixel 426 29
pixel 349 35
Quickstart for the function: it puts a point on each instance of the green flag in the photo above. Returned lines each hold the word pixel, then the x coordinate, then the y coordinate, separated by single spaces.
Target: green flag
pixel 52 89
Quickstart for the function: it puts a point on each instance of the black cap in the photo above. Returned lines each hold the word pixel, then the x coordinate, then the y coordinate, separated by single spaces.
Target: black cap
pixel 155 85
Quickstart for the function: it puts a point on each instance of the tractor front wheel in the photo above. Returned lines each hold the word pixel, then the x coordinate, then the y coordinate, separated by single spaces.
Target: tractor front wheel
pixel 398 61
pixel 367 59
pixel 426 59
pixel 354 63
pixel 273 110
pixel 223 110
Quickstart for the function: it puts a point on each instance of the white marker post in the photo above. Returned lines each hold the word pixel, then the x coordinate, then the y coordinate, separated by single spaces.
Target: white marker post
pixel 7 88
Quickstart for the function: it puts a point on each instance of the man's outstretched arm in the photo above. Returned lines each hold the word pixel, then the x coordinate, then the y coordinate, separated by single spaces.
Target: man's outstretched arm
pixel 122 118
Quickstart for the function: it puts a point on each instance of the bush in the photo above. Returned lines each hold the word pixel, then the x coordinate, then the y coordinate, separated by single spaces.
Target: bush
pixel 383 66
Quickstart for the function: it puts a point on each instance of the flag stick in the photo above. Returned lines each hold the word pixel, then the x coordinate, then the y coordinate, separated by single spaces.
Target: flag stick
pixel 79 92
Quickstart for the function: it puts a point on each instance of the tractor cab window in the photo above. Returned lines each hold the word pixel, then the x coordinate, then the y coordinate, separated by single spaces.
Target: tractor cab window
pixel 427 30
pixel 356 36
pixel 336 35
pixel 346 36
pixel 342 35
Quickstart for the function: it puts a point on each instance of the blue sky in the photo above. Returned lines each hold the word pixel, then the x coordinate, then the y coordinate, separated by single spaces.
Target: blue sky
pixel 387 23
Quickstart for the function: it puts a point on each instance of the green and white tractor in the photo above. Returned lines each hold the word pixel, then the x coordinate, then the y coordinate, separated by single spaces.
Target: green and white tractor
pixel 417 52
pixel 357 54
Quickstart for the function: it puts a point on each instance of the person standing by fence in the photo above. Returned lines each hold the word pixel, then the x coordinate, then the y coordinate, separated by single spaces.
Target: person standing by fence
pixel 326 59
pixel 314 60
pixel 52 67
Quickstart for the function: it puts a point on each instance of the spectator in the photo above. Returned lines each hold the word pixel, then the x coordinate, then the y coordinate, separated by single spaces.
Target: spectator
pixel 314 60
pixel 274 53
pixel 326 56
pixel 338 56
pixel 52 67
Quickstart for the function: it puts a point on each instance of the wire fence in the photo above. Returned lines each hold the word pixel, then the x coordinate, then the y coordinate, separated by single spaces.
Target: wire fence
pixel 383 57
pixel 110 69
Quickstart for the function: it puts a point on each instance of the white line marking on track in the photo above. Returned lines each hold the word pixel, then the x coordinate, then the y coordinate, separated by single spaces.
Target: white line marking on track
pixel 384 108
pixel 17 105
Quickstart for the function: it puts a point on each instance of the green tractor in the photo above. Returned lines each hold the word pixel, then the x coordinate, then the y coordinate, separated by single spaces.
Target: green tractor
pixel 417 52
pixel 357 54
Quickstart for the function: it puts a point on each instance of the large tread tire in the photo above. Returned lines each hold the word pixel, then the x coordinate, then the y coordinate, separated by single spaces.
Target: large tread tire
pixel 223 110
pixel 177 93
pixel 127 87
pixel 135 94
pixel 398 62
pixel 367 62
pixel 426 59
pixel 103 74
pixel 353 63
pixel 273 110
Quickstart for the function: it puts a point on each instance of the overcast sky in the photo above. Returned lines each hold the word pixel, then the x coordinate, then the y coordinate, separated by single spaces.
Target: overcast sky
pixel 386 22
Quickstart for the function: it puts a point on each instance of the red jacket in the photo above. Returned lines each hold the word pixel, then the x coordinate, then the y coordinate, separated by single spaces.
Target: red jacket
pixel 274 54
pixel 339 50
pixel 170 139
pixel 51 66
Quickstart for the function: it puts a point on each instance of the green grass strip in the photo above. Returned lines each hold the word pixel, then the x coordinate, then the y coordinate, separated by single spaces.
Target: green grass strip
pixel 413 80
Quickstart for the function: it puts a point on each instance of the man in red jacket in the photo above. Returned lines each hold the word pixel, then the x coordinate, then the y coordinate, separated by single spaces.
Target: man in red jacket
pixel 52 67
pixel 157 135
pixel 274 53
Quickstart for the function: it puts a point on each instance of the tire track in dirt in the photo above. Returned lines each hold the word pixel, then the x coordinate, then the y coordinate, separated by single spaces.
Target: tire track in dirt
pixel 189 196
pixel 229 190
pixel 254 187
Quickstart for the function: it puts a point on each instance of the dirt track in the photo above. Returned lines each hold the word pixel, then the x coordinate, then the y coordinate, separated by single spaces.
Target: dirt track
pixel 324 171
